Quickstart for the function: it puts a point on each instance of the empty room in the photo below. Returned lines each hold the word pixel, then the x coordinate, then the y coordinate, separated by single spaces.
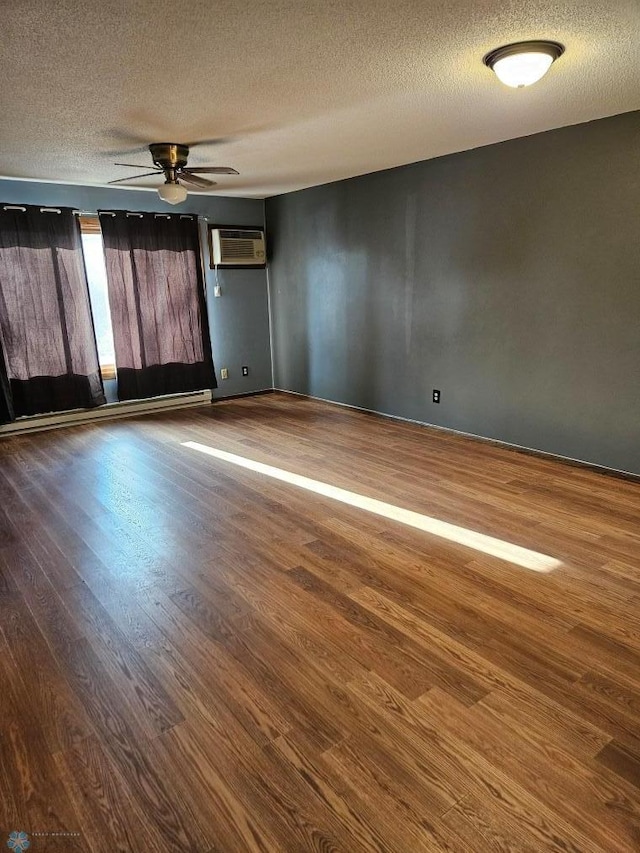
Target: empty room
pixel 320 426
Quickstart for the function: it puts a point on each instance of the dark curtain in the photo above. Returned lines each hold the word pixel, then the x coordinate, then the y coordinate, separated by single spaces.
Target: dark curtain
pixel 6 401
pixel 157 300
pixel 46 327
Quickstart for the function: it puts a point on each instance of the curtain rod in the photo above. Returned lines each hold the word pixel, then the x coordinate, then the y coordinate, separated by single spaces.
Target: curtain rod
pixel 104 212
pixel 148 213
pixel 24 209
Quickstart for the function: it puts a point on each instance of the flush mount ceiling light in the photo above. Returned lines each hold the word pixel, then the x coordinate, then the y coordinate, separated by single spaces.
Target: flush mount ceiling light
pixel 521 64
pixel 172 192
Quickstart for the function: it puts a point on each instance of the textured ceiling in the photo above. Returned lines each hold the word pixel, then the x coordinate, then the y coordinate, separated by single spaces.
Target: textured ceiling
pixel 295 92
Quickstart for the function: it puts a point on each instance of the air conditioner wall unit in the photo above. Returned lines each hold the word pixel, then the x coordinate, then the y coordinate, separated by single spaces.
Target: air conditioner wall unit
pixel 239 247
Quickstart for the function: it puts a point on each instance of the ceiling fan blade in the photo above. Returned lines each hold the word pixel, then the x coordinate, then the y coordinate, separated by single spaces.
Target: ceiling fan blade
pixel 125 142
pixel 137 166
pixel 132 177
pixel 217 140
pixel 195 180
pixel 211 170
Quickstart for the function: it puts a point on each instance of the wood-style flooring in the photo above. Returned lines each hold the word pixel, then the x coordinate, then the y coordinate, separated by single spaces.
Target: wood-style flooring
pixel 199 657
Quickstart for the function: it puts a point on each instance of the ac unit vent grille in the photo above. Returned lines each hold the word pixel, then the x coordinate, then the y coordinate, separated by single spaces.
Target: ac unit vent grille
pixel 240 235
pixel 237 248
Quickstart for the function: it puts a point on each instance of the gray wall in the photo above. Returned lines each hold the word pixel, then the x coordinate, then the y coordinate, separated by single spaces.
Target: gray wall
pixel 508 277
pixel 239 319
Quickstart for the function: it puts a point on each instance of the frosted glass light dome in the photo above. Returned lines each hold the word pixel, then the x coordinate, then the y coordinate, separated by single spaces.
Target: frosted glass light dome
pixel 519 65
pixel 172 193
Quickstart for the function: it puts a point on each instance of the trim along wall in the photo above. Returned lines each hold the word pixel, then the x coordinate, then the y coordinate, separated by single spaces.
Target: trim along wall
pixel 507 277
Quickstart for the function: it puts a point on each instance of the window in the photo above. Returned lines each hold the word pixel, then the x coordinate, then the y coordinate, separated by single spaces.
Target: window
pixel 93 251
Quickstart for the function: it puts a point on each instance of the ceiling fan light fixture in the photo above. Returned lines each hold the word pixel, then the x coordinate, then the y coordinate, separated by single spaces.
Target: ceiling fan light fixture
pixel 172 192
pixel 523 63
pixel 170 161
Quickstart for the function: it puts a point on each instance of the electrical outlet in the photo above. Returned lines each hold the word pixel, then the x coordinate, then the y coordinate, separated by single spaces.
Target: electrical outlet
pixel 245 371
pixel 436 395
pixel 224 373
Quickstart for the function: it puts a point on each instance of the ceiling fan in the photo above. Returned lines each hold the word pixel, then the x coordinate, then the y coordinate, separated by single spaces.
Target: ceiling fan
pixel 170 160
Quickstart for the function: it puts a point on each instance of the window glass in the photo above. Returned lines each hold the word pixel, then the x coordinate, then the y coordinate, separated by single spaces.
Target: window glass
pixel 99 295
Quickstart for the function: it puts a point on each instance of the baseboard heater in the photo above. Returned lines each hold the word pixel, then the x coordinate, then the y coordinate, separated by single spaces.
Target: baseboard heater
pixel 111 410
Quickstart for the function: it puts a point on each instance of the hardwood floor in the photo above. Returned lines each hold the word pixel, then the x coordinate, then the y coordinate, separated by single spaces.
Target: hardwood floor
pixel 195 656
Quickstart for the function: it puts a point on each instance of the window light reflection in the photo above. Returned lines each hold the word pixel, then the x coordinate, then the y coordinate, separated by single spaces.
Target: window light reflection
pixel 453 533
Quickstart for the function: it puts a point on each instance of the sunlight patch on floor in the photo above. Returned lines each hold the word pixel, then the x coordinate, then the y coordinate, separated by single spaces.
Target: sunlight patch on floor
pixel 463 536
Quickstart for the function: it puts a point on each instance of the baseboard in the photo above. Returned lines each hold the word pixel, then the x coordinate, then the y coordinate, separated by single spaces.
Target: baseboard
pixel 110 411
pixel 244 394
pixel 518 448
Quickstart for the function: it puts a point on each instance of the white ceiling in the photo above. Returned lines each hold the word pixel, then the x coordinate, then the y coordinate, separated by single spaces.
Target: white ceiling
pixel 297 92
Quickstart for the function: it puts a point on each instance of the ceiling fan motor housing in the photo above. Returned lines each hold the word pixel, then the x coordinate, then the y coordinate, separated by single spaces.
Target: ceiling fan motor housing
pixel 169 155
